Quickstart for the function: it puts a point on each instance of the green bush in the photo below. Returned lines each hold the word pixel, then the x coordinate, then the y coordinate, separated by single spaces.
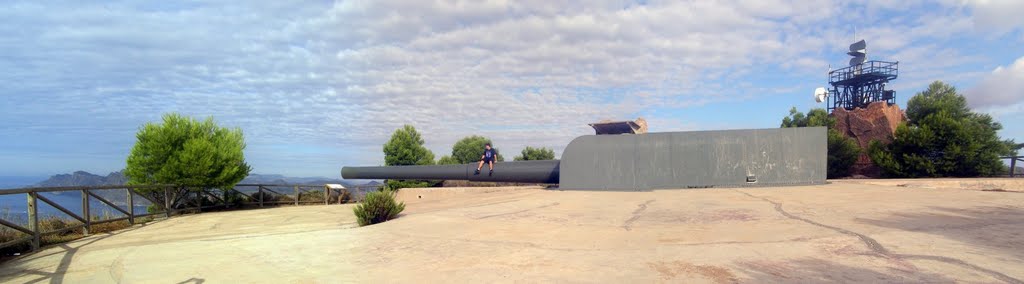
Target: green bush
pixel 267 197
pixel 532 154
pixel 378 207
pixel 842 154
pixel 943 138
pixel 234 198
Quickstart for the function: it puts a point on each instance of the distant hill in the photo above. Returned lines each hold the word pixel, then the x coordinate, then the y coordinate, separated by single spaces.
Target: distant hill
pixel 280 179
pixel 83 178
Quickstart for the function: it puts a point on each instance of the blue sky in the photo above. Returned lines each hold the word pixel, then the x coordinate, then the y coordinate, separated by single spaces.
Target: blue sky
pixel 318 85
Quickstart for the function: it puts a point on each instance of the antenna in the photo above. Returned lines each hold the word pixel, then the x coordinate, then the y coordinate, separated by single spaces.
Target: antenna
pixel 820 94
pixel 859 84
pixel 859 51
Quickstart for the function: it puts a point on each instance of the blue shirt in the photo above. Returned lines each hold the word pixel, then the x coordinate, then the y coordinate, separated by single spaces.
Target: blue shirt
pixel 489 154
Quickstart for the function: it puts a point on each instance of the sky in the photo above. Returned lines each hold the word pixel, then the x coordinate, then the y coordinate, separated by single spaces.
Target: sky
pixel 319 85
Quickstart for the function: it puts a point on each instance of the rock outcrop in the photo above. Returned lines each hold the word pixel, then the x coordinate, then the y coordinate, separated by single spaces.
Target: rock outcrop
pixel 876 122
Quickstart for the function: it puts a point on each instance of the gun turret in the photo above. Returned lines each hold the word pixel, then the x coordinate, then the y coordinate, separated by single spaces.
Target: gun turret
pixel 520 171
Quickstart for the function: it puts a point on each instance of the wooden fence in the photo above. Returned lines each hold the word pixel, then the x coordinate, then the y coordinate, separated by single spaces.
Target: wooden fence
pixel 174 201
pixel 1013 164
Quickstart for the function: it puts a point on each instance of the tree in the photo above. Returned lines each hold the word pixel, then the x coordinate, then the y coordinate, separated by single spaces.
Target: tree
pixel 447 160
pixel 406 149
pixel 530 153
pixel 186 152
pixel 470 148
pixel 943 137
pixel 814 117
pixel 842 150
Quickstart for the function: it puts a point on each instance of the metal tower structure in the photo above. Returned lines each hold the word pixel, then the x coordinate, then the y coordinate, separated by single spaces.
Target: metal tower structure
pixel 861 83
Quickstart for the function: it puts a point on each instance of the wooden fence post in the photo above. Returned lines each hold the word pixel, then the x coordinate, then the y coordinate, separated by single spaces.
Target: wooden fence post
pixel 1013 165
pixel 260 192
pixel 167 202
pixel 327 194
pixel 199 202
pixel 297 195
pixel 131 206
pixel 85 213
pixel 33 220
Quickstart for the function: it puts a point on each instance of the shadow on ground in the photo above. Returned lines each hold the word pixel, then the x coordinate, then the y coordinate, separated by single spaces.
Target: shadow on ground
pixel 997 228
pixel 68 250
pixel 814 270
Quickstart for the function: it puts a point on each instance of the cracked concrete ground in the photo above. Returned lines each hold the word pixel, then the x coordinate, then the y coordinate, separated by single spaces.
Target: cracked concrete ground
pixel 847 231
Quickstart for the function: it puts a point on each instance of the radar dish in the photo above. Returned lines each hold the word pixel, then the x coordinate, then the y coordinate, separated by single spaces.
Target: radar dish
pixel 859 51
pixel 820 94
pixel 858 48
pixel 857 60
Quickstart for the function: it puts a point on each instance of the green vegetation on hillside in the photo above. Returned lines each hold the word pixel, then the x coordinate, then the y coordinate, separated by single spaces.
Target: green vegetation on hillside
pixel 842 150
pixel 531 154
pixel 943 138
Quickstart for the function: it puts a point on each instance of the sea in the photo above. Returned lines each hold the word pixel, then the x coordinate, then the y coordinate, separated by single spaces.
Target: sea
pixel 14 207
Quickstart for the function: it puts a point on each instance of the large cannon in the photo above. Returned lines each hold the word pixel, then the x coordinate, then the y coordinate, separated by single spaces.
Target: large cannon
pixel 520 171
pixel 694 159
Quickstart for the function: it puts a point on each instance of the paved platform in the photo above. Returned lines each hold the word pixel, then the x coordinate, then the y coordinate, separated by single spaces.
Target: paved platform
pixel 847 231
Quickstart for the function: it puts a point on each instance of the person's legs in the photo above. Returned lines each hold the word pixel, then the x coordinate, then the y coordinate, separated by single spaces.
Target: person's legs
pixel 479 166
pixel 490 164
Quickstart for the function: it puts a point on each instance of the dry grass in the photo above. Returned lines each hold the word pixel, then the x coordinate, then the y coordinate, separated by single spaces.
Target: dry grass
pixel 55 223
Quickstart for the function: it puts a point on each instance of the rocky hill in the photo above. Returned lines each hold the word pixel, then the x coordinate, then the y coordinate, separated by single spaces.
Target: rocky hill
pixel 83 178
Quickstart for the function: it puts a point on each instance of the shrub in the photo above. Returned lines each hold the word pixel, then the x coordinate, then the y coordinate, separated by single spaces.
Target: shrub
pixel 842 154
pixel 312 195
pixel 378 207
pixel 235 199
pixel 267 197
pixel 532 154
pixel 943 138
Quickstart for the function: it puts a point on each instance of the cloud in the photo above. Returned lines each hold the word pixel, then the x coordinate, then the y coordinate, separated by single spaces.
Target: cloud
pixel 327 82
pixel 998 16
pixel 1001 90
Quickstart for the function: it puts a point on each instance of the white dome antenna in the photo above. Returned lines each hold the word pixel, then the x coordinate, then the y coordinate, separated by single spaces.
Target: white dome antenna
pixel 820 94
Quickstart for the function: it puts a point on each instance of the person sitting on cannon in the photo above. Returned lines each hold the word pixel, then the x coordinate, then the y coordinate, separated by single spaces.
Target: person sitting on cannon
pixel 488 157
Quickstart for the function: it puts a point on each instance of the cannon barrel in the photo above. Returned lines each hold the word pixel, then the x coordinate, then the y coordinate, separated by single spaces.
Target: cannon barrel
pixel 545 171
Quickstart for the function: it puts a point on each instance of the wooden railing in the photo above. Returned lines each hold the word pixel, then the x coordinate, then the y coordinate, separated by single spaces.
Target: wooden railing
pixel 174 200
pixel 1013 164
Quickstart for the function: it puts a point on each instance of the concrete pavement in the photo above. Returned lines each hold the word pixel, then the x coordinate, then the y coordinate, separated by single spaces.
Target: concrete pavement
pixel 847 231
